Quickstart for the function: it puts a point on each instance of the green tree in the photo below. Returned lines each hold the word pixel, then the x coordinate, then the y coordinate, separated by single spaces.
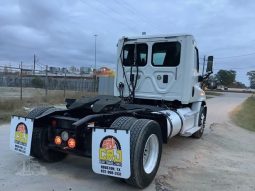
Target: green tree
pixel 251 76
pixel 226 77
pixel 238 85
pixel 37 82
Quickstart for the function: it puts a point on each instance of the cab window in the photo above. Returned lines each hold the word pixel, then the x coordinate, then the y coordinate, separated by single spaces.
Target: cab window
pixel 141 54
pixel 166 54
pixel 196 61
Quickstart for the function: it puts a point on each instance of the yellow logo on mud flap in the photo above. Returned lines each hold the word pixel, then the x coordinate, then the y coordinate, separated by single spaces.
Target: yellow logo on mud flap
pixel 110 151
pixel 21 134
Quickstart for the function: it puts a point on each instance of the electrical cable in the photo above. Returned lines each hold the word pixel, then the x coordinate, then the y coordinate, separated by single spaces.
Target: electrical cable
pixel 136 79
pixel 123 68
pixel 133 84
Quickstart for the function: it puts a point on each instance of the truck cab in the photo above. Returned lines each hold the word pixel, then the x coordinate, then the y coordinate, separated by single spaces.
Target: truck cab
pixel 159 68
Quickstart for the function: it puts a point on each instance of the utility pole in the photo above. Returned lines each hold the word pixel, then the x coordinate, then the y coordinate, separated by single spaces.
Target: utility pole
pixel 34 65
pixel 21 81
pixel 95 51
pixel 203 66
pixel 95 75
pixel 65 85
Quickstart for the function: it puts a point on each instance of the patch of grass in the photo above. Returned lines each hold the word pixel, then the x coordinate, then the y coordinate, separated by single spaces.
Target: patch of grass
pixel 244 115
pixel 14 106
pixel 211 93
pixel 9 108
pixel 9 105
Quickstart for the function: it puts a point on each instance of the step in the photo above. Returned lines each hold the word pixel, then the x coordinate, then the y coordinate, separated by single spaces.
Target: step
pixel 190 114
pixel 190 131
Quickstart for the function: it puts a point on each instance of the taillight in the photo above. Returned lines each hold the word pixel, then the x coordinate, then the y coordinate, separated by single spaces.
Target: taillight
pixel 58 140
pixel 71 143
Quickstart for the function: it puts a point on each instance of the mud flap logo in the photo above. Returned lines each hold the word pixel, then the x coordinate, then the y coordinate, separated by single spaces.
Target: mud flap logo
pixel 111 152
pixel 21 135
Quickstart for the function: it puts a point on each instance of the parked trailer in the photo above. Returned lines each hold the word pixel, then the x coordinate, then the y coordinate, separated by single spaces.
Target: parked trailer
pixel 157 95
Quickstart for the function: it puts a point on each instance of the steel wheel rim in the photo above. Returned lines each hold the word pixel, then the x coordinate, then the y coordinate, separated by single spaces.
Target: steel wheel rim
pixel 150 153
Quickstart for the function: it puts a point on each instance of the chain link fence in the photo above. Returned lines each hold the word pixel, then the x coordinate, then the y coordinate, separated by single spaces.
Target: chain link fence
pixel 27 84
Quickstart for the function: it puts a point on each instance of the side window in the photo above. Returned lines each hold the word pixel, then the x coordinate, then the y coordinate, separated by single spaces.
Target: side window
pixel 196 61
pixel 166 54
pixel 141 54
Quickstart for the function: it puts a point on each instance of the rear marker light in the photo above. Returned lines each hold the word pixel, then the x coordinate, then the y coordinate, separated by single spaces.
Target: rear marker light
pixel 58 140
pixel 71 143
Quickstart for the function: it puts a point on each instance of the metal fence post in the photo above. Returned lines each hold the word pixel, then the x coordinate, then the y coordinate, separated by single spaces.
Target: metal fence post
pixel 21 81
pixel 46 81
pixel 65 85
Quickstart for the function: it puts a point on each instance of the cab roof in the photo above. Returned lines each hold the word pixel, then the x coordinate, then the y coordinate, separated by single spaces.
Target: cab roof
pixel 156 36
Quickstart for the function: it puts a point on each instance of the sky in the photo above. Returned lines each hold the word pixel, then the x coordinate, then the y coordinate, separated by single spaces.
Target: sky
pixel 61 32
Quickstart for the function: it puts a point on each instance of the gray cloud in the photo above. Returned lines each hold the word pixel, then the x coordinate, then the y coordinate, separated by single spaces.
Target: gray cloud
pixel 61 33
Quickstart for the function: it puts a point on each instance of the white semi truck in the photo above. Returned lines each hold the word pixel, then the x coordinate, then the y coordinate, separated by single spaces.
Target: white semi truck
pixel 157 95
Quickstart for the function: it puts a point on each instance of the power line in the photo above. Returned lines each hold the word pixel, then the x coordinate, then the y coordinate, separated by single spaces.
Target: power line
pixel 103 10
pixel 234 68
pixel 235 56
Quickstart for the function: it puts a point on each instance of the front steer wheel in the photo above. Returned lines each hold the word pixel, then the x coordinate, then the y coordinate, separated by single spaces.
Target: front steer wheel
pixel 145 152
pixel 39 148
pixel 201 123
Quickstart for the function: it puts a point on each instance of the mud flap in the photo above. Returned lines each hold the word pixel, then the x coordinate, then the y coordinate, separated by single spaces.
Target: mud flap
pixel 21 135
pixel 111 152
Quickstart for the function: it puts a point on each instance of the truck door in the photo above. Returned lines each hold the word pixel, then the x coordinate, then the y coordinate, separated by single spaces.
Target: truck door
pixel 157 63
pixel 158 78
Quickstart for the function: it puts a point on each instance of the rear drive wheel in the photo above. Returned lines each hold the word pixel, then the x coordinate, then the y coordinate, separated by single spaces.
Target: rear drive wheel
pixel 36 112
pixel 123 122
pixel 201 123
pixel 145 152
pixel 39 148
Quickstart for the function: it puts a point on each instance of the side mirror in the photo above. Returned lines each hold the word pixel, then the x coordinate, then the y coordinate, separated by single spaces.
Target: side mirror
pixel 209 68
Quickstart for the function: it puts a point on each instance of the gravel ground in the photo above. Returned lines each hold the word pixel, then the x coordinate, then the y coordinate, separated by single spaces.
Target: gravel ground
pixel 222 160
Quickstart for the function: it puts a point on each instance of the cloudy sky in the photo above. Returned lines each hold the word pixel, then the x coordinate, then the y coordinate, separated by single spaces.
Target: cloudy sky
pixel 61 32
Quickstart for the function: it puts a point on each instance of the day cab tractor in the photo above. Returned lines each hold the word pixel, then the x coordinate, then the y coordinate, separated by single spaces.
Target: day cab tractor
pixel 157 95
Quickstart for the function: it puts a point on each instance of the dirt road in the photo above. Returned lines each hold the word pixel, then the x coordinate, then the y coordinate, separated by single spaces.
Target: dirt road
pixel 224 159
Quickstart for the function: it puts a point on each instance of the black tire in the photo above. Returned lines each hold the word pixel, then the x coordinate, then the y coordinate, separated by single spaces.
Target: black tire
pixel 123 123
pixel 201 122
pixel 37 112
pixel 140 132
pixel 39 143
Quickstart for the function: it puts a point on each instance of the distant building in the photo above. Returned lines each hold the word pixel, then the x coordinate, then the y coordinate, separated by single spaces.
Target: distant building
pixel 86 70
pixel 104 71
pixel 73 70
pixel 54 70
pixel 63 70
pixel 27 71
